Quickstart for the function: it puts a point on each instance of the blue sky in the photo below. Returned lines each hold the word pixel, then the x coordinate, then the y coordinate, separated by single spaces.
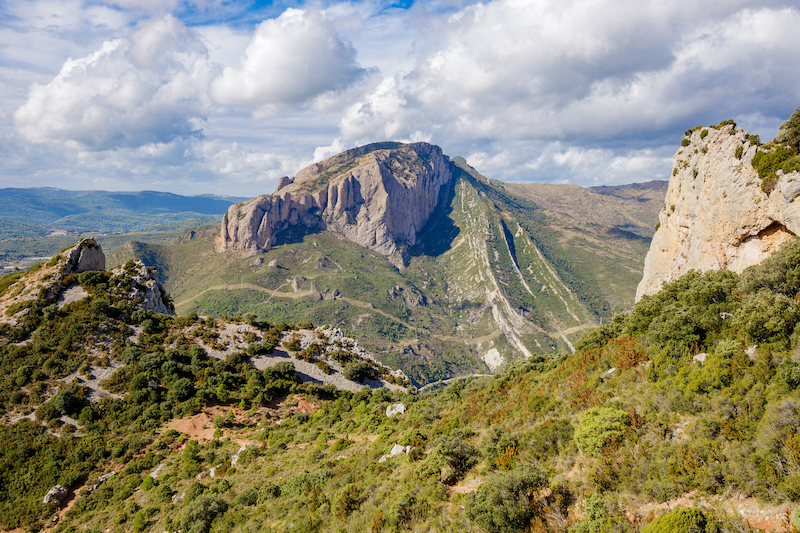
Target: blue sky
pixel 225 97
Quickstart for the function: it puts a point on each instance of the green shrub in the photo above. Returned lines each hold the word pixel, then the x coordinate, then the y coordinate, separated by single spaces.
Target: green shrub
pixel 451 457
pixel 739 152
pixel 703 134
pixel 599 427
pixel 201 513
pixel 357 371
pixel 789 131
pixel 686 142
pixel 506 501
pixel 683 521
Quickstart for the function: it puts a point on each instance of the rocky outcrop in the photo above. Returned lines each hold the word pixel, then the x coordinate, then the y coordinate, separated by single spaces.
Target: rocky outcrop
pixel 378 196
pixel 144 287
pixel 716 215
pixel 55 495
pixel 85 256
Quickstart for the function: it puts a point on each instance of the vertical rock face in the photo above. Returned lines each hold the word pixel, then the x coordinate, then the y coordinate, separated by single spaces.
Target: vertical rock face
pixel 716 215
pixel 85 256
pixel 378 196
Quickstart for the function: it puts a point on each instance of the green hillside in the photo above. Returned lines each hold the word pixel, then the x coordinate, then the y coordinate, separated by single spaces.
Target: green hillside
pixel 496 277
pixel 689 401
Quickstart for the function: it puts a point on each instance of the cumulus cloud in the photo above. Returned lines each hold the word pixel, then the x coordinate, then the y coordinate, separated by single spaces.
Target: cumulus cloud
pixel 292 59
pixel 587 72
pixel 148 88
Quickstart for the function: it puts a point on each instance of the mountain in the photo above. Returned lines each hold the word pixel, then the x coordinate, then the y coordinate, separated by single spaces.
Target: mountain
pixel 378 196
pixel 42 211
pixel 437 269
pixel 730 204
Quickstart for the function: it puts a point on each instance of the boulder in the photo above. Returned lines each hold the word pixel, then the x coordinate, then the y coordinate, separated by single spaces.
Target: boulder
pixel 55 495
pixel 395 409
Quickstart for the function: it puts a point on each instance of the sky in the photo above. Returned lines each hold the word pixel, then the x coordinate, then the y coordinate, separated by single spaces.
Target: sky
pixel 224 97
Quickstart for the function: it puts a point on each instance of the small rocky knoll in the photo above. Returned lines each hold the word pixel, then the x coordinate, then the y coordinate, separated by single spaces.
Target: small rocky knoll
pixel 378 196
pixel 718 212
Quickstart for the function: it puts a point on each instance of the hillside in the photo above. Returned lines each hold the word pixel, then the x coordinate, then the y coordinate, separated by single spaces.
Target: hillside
pixel 151 422
pixel 493 276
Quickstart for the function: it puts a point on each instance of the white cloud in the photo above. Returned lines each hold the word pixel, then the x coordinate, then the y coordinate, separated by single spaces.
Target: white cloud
pixel 291 60
pixel 148 88
pixel 586 72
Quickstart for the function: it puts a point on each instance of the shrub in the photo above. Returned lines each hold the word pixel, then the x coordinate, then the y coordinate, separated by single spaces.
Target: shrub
pixel 789 131
pixel 357 371
pixel 703 134
pixel 739 152
pixel 599 427
pixel 686 142
pixel 201 513
pixel 505 502
pixel 683 521
pixel 451 457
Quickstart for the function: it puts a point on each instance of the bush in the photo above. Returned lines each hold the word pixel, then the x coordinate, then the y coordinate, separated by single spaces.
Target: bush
pixel 357 371
pixel 789 131
pixel 683 521
pixel 505 502
pixel 451 457
pixel 599 427
pixel 686 142
pixel 201 513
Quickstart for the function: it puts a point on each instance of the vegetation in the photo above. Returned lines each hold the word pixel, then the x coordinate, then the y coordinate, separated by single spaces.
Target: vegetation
pixel 633 411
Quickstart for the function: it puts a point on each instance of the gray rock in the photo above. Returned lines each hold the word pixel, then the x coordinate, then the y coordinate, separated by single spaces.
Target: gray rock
pixel 395 409
pixel 85 256
pixel 396 450
pixel 55 495
pixel 145 287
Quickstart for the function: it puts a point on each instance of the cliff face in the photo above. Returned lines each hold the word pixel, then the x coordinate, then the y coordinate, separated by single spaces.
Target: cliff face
pixel 716 215
pixel 378 196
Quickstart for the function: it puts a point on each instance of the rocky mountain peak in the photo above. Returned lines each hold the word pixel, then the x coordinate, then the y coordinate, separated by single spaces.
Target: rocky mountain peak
pixel 378 196
pixel 719 213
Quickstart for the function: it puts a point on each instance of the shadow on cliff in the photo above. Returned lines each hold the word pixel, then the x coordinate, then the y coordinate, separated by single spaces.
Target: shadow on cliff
pixel 295 234
pixel 437 236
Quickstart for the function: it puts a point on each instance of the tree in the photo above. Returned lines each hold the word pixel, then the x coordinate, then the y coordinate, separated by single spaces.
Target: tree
pixel 506 501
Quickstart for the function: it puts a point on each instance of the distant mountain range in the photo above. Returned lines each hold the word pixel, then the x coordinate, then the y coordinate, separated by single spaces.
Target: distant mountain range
pixel 36 212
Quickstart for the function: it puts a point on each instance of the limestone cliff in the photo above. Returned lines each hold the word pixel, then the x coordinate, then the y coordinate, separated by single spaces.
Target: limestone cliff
pixel 378 196
pixel 716 215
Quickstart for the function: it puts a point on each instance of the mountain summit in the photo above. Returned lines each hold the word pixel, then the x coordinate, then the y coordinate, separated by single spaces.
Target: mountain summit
pixel 378 196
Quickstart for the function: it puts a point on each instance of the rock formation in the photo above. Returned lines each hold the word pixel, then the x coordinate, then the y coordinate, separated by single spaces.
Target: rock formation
pixel 144 287
pixel 85 256
pixel 378 196
pixel 716 215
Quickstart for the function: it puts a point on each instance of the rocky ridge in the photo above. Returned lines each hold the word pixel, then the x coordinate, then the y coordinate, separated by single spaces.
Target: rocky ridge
pixel 56 282
pixel 716 214
pixel 378 196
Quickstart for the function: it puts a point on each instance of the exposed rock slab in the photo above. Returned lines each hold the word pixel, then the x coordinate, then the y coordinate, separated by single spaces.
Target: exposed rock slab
pixel 716 216
pixel 145 288
pixel 378 196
